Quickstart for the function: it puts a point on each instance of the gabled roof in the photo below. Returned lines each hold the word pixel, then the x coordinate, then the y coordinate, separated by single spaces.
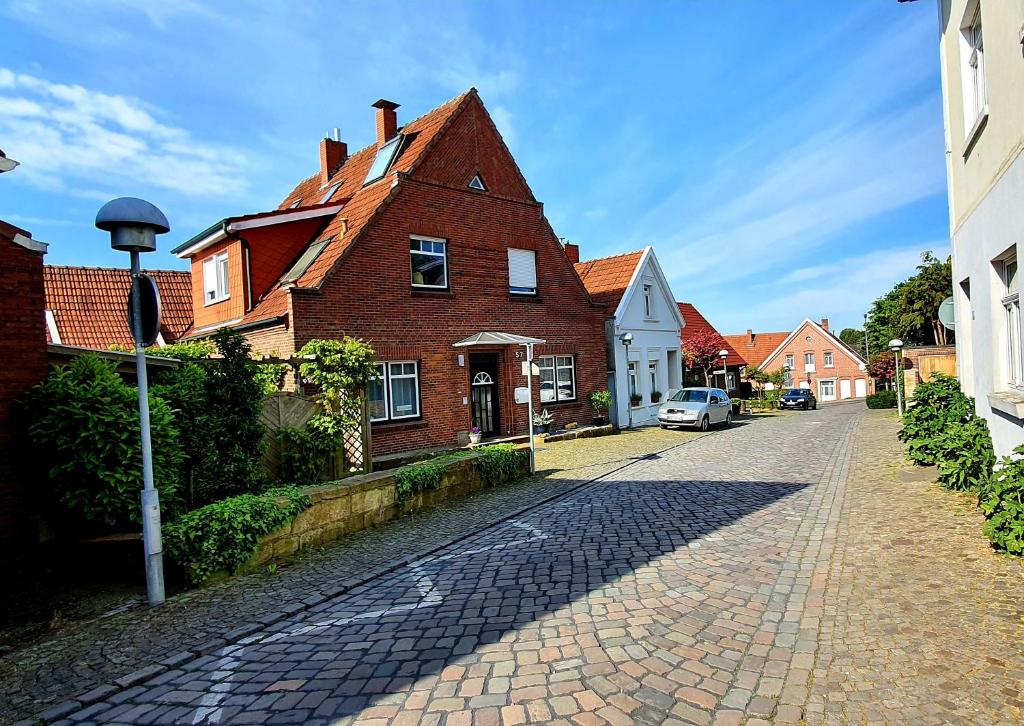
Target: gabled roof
pixel 607 278
pixel 843 347
pixel 756 347
pixel 697 323
pixel 88 305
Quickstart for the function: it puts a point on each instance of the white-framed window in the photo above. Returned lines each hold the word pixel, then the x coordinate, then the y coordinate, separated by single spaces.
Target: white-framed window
pixel 972 64
pixel 394 393
pixel 648 302
pixel 634 383
pixel 828 359
pixel 477 183
pixel 808 359
pixel 215 278
pixel 1010 280
pixel 329 193
pixel 557 378
pixel 790 362
pixel 652 372
pixel 522 272
pixel 429 260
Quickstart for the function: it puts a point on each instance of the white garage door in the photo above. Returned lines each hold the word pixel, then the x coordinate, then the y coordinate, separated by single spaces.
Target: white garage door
pixel 844 388
pixel 861 386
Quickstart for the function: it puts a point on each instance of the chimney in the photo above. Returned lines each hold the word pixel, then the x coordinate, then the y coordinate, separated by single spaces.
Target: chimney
pixel 387 121
pixel 572 252
pixel 750 336
pixel 824 323
pixel 333 154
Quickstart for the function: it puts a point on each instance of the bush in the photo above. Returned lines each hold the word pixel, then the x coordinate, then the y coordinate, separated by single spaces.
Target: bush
pixel 936 405
pixel 964 455
pixel 304 452
pixel 84 429
pixel 500 463
pixel 1002 502
pixel 496 464
pixel 601 401
pixel 881 399
pixel 224 535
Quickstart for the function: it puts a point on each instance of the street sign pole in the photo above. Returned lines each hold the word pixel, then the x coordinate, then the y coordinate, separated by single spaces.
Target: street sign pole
pixel 151 536
pixel 529 406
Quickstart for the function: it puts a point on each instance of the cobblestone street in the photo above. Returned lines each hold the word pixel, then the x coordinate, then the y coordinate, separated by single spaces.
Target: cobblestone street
pixel 788 569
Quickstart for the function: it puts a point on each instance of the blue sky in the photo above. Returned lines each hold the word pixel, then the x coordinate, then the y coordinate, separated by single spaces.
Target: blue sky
pixel 785 158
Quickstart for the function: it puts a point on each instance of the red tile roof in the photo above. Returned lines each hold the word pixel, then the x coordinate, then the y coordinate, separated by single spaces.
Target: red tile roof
pixel 697 323
pixel 606 278
pixel 89 304
pixel 757 346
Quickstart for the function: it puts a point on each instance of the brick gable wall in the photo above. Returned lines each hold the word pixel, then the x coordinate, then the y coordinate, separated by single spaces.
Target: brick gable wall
pixel 844 368
pixel 23 350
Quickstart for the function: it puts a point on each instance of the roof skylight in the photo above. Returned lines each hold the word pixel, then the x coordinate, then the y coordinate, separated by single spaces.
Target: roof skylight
pixel 305 260
pixel 330 193
pixel 385 157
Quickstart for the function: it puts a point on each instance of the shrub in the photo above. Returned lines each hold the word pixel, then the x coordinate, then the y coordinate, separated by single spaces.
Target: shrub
pixel 881 399
pixel 224 535
pixel 304 451
pixel 601 401
pixel 1002 502
pixel 500 463
pixel 936 405
pixel 964 454
pixel 84 429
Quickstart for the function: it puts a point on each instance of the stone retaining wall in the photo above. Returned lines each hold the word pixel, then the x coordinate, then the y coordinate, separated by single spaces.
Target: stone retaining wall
pixel 343 507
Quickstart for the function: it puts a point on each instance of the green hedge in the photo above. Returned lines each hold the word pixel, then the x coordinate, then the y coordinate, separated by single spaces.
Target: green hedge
pixel 881 399
pixel 224 535
pixel 496 464
pixel 1001 499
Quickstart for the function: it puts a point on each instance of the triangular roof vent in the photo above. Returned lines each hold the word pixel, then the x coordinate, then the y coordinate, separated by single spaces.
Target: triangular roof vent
pixel 477 183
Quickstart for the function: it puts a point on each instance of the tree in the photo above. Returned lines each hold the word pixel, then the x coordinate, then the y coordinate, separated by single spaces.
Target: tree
pixel 853 338
pixel 700 351
pixel 917 310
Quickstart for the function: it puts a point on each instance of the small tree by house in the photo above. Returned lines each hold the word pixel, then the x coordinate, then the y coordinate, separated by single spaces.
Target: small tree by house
pixel 701 352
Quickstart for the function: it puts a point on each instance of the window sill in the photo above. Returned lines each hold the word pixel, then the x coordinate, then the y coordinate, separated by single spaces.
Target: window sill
pixel 546 404
pixel 975 132
pixel 218 301
pixel 1008 402
pixel 400 425
pixel 521 297
pixel 432 292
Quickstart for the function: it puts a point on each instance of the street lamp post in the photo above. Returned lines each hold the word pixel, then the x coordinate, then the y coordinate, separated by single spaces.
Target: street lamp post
pixel 723 354
pixel 896 345
pixel 867 350
pixel 626 339
pixel 133 225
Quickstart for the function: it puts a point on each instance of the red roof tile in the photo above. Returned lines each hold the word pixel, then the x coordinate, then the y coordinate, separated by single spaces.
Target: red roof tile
pixel 697 323
pixel 89 304
pixel 758 346
pixel 606 278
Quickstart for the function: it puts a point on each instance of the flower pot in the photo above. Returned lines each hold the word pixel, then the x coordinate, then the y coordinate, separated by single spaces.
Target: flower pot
pixel 475 438
pixel 598 421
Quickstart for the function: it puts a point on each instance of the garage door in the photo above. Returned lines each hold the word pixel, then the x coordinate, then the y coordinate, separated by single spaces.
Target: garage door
pixel 844 388
pixel 861 386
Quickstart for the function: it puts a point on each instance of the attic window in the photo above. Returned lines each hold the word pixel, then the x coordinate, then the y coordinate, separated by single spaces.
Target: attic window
pixel 382 162
pixel 477 183
pixel 329 193
pixel 305 260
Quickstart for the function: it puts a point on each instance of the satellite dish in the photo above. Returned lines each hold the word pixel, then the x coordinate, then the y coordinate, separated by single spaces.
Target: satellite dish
pixel 149 297
pixel 947 314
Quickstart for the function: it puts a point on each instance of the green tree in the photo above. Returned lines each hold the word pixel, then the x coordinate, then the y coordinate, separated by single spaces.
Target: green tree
pixel 917 311
pixel 853 338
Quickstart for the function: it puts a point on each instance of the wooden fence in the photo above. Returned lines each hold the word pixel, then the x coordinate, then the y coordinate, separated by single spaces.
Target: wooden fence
pixel 288 410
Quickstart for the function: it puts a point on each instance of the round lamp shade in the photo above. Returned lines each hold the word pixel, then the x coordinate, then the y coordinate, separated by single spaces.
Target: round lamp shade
pixel 133 224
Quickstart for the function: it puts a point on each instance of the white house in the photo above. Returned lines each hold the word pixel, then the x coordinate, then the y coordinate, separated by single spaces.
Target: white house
pixel 983 94
pixel 640 302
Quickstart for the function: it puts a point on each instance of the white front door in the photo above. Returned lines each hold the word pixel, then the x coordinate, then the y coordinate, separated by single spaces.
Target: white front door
pixel 844 388
pixel 861 387
pixel 827 390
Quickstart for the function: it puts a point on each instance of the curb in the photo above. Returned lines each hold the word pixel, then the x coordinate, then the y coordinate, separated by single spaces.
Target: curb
pixel 106 690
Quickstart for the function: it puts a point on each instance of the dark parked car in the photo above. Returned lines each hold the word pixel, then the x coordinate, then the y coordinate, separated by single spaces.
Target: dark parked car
pixel 798 398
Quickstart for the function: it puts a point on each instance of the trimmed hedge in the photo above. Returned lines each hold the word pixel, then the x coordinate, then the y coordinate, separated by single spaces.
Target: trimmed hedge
pixel 881 399
pixel 496 464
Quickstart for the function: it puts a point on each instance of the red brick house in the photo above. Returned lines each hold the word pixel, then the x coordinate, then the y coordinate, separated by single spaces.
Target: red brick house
pixel 415 243
pixel 86 307
pixel 23 350
pixel 814 357
pixel 734 362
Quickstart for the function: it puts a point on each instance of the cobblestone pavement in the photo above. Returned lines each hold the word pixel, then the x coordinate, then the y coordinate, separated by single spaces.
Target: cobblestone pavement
pixel 922 622
pixel 87 655
pixel 680 589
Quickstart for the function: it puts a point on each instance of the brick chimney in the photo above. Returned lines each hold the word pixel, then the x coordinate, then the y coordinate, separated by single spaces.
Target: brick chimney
pixel 572 252
pixel 824 323
pixel 750 336
pixel 387 121
pixel 333 154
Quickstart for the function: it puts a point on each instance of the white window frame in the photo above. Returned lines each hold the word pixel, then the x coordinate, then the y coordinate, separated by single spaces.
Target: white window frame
pixel 648 302
pixel 790 361
pixel 383 376
pixel 652 375
pixel 554 364
pixel 389 377
pixel 974 89
pixel 215 279
pixel 524 289
pixel 1013 365
pixel 633 382
pixel 829 361
pixel 443 255
pixel 808 359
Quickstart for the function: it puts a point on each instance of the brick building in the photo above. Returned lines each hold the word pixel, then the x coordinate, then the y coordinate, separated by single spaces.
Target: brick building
pixel 23 350
pixel 814 357
pixel 415 243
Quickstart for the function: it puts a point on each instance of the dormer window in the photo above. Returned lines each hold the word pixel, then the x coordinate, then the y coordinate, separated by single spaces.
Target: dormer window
pixel 329 193
pixel 215 278
pixel 477 183
pixel 385 157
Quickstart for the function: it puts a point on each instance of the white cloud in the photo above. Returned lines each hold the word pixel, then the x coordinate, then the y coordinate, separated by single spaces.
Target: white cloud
pixel 596 213
pixel 70 138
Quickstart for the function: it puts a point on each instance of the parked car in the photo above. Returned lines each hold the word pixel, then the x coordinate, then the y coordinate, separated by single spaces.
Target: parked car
pixel 698 407
pixel 798 398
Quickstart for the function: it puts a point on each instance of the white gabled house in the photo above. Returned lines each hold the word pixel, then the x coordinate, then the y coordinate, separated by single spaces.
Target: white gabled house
pixel 640 302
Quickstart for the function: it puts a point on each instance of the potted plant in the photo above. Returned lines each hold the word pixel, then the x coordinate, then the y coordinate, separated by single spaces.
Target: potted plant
pixel 601 401
pixel 542 421
pixel 475 434
pixel 655 396
pixel 635 399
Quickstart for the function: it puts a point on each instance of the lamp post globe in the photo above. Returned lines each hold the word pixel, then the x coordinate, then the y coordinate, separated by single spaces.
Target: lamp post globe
pixel 133 224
